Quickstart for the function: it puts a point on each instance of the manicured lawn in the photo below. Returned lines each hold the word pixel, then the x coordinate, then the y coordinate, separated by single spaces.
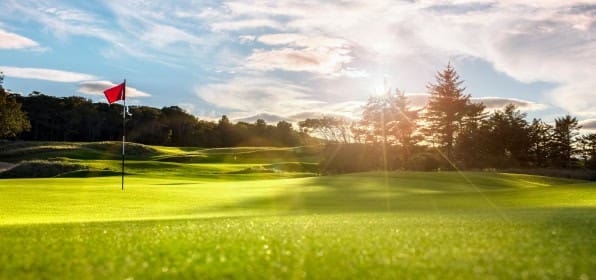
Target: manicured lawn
pixel 373 225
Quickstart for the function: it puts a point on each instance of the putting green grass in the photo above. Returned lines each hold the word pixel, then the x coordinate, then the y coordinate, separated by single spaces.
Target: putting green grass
pixel 400 225
pixel 259 213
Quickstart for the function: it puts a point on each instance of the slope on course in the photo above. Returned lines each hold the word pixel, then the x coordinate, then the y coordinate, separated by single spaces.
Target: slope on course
pixel 199 220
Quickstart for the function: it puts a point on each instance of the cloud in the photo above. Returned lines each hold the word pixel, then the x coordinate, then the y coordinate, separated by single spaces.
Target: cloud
pixel 245 24
pixel 299 40
pixel 135 28
pixel 247 94
pixel 316 54
pixel 251 97
pixel 246 38
pixel 163 35
pixel 322 61
pixel 269 118
pixel 293 118
pixel 97 88
pixel 61 21
pixel 187 107
pixel 589 125
pixel 10 41
pixel 420 100
pixel 45 74
pixel 493 103
pixel 530 41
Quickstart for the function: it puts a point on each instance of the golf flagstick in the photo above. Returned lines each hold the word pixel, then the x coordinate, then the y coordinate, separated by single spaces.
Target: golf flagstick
pixel 123 128
pixel 114 94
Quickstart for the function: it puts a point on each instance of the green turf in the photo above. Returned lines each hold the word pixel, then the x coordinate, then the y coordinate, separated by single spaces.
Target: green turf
pixel 404 225
pixel 208 220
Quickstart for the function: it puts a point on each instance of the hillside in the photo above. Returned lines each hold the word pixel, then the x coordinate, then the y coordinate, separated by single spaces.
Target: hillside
pixel 92 159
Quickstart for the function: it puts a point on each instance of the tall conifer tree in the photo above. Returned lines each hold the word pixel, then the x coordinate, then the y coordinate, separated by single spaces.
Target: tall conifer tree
pixel 447 107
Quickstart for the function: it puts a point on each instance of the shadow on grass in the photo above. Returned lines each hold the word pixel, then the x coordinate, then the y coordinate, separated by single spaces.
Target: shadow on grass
pixel 412 191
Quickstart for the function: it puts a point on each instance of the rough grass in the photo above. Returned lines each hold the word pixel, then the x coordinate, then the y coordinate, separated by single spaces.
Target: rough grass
pixel 103 159
pixel 41 169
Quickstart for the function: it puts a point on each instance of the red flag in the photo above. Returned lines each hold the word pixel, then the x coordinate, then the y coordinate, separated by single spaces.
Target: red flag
pixel 116 93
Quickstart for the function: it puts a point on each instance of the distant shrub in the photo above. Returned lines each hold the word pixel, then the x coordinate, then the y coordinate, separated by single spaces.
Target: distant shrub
pixel 41 169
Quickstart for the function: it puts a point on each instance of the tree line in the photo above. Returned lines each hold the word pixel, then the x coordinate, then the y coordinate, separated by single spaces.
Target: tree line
pixel 450 132
pixel 40 117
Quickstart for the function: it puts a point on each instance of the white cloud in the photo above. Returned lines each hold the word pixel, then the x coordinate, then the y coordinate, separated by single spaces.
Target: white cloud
pixel 97 88
pixel 249 94
pixel 299 40
pixel 245 24
pixel 187 107
pixel 317 54
pixel 246 38
pixel 269 118
pixel 530 41
pixel 281 38
pixel 420 100
pixel 140 29
pixel 588 125
pixel 492 103
pixel 10 40
pixel 60 20
pixel 250 98
pixel 322 61
pixel 45 74
pixel 163 35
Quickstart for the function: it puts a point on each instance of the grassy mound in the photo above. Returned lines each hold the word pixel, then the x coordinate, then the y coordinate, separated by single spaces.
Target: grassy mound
pixel 41 169
pixel 19 150
pixel 86 173
pixel 296 167
pixel 244 155
pixel 16 151
pixel 131 149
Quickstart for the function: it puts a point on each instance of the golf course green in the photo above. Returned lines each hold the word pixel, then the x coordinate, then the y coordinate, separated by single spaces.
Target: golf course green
pixel 264 213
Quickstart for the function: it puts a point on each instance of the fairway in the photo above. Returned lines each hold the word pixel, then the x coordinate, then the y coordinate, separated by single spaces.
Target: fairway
pixel 285 225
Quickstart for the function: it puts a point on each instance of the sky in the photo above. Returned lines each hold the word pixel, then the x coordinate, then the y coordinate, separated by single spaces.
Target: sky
pixel 291 60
